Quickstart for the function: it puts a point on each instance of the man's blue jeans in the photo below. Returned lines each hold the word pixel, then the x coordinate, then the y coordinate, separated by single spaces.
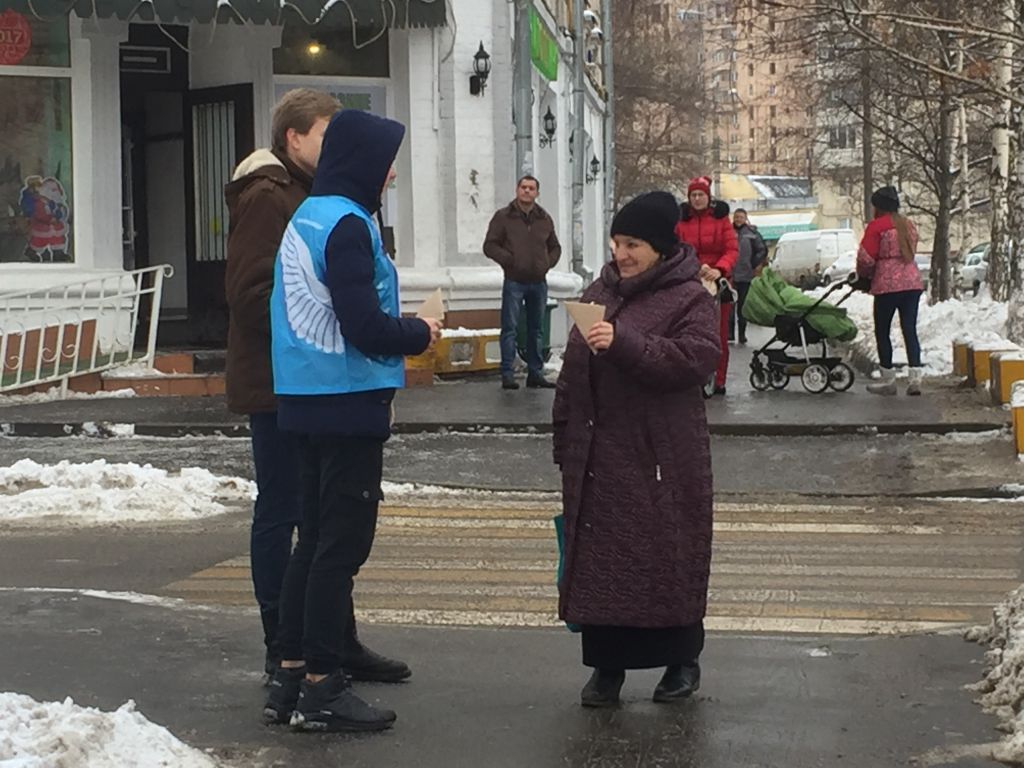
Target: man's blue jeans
pixel 535 297
pixel 277 513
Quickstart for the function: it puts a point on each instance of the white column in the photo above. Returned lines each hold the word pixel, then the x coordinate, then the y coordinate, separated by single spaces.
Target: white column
pixel 96 131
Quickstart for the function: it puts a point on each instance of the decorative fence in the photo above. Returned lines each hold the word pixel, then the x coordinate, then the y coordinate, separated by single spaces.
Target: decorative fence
pixel 52 334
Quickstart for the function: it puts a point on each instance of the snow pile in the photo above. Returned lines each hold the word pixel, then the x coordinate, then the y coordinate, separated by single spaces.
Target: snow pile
pixel 469 333
pixel 1003 687
pixel 53 394
pixel 135 371
pixel 63 735
pixel 99 493
pixel 938 326
pixel 1017 395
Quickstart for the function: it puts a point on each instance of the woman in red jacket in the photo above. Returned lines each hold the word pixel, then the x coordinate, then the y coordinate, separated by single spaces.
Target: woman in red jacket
pixel 707 228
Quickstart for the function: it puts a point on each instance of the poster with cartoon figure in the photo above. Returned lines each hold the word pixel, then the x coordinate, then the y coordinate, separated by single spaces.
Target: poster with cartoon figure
pixel 45 205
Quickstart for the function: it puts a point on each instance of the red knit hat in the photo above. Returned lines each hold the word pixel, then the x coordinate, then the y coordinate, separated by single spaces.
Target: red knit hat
pixel 699 184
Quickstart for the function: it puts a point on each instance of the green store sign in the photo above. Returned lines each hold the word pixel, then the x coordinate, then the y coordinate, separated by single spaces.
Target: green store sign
pixel 543 47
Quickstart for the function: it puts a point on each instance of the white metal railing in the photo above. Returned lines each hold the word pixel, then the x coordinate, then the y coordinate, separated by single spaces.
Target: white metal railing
pixel 51 334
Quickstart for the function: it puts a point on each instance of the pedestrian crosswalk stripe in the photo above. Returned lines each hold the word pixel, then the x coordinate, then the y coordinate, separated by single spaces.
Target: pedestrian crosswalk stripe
pixel 852 568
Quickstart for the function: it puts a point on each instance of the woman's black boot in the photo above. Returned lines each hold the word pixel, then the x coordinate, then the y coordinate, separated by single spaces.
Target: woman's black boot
pixel 603 688
pixel 679 682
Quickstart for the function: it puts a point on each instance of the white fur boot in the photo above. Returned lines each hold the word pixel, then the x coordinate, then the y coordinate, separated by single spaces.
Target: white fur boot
pixel 886 385
pixel 914 382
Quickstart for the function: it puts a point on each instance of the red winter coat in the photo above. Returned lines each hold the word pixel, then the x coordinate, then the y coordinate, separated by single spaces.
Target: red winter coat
pixel 631 437
pixel 711 233
pixel 880 258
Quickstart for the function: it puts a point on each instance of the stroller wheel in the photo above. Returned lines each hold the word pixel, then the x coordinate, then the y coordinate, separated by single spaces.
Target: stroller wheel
pixel 759 380
pixel 779 378
pixel 815 378
pixel 840 378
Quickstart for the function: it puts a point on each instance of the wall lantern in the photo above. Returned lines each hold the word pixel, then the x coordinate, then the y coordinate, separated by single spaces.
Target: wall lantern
pixel 550 126
pixel 482 70
pixel 595 170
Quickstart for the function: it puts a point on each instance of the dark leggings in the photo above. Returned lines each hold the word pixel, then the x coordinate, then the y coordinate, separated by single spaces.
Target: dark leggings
pixel 886 307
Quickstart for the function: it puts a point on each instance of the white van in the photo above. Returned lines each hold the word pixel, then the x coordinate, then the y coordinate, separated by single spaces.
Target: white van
pixel 801 258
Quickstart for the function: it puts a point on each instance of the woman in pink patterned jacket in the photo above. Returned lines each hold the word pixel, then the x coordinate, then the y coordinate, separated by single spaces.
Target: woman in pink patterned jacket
pixel 886 257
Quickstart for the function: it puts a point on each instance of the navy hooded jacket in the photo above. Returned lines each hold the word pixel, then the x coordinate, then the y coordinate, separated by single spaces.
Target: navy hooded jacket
pixel 358 152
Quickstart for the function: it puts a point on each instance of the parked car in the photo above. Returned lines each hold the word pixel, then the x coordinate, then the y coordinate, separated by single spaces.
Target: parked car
pixel 974 271
pixel 801 258
pixel 840 268
pixel 924 266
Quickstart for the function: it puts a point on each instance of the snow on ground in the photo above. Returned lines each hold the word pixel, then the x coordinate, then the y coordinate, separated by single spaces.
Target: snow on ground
pixel 979 318
pixel 99 493
pixel 469 333
pixel 1002 690
pixel 64 735
pixel 53 394
pixel 135 371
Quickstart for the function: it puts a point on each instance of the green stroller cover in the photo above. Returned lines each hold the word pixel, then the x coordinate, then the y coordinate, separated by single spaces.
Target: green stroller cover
pixel 770 296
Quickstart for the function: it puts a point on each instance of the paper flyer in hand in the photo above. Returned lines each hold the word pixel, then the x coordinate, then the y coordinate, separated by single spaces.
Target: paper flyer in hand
pixel 585 316
pixel 433 306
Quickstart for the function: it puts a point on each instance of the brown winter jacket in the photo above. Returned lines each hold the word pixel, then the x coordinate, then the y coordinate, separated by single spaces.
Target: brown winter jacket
pixel 524 245
pixel 631 438
pixel 264 193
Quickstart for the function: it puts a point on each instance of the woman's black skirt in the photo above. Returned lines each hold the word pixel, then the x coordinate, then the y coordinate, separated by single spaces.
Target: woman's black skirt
pixel 616 648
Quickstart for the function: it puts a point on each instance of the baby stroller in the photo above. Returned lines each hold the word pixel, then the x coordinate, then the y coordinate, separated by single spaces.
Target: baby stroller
pixel 722 292
pixel 799 321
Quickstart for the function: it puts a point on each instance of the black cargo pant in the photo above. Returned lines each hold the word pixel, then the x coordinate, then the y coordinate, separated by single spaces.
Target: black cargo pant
pixel 341 479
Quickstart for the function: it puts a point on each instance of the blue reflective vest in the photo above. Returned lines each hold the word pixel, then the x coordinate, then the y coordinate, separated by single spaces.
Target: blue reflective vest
pixel 310 355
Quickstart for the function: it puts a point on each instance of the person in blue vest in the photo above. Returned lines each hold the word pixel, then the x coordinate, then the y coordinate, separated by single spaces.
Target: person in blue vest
pixel 338 340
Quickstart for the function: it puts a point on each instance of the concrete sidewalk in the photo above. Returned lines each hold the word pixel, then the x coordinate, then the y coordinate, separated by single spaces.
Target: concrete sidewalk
pixel 476 405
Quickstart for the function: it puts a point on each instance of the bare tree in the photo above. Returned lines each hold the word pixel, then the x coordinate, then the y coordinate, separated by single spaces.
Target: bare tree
pixel 658 97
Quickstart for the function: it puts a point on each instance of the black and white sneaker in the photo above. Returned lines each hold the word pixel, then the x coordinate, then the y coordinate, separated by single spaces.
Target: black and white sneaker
pixel 284 695
pixel 331 706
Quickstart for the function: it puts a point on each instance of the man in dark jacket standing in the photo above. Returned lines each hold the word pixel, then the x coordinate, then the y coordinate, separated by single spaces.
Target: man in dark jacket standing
pixel 338 341
pixel 753 253
pixel 266 189
pixel 521 239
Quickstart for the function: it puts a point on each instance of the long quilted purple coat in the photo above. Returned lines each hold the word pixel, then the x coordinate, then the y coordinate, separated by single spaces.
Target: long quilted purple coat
pixel 631 437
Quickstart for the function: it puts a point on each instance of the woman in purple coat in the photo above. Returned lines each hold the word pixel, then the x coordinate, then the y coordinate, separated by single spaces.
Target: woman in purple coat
pixel 631 439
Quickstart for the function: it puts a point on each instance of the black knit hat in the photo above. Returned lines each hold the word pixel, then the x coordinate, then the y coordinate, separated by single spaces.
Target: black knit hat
pixel 886 199
pixel 651 217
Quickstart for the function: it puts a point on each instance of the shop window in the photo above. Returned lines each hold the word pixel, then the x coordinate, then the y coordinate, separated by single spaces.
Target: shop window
pixel 303 51
pixel 35 141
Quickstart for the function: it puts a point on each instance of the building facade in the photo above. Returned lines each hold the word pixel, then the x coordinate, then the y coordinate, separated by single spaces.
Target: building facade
pixel 121 130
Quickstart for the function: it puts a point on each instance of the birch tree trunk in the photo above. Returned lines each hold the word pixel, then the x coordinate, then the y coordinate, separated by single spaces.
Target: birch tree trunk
pixel 1015 229
pixel 940 272
pixel 999 258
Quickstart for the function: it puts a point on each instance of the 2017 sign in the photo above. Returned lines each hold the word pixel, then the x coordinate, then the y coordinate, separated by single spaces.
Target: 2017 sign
pixel 15 37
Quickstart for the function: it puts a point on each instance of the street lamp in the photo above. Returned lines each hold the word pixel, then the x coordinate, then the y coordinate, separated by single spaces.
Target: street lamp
pixel 481 70
pixel 550 126
pixel 595 170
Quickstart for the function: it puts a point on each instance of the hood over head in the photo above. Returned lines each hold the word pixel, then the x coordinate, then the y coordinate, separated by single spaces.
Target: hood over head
pixel 358 152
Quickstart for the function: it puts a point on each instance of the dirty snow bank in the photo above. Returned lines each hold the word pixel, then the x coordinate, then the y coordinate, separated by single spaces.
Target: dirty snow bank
pixel 99 493
pixel 46 735
pixel 980 318
pixel 1003 687
pixel 53 395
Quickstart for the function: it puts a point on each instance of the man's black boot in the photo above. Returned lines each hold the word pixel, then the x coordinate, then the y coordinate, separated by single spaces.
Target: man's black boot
pixel 284 694
pixel 509 382
pixel 539 382
pixel 362 664
pixel 679 682
pixel 603 688
pixel 330 706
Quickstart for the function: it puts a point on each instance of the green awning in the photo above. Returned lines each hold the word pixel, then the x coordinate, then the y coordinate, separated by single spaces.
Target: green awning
pixel 398 14
pixel 772 226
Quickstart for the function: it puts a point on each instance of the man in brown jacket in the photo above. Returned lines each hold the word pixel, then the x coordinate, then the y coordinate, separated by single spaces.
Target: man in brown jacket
pixel 266 189
pixel 521 239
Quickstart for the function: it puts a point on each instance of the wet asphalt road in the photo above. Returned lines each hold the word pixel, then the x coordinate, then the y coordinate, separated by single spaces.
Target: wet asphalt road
pixel 861 465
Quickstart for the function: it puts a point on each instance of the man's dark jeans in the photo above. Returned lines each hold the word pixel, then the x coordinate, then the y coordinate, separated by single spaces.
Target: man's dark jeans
pixel 341 479
pixel 513 296
pixel 276 515
pixel 737 318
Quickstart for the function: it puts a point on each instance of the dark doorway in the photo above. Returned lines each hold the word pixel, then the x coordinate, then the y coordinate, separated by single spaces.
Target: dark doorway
pixel 220 137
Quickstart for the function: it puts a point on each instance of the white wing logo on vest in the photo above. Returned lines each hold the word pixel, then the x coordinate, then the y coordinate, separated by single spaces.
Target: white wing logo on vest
pixel 307 300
